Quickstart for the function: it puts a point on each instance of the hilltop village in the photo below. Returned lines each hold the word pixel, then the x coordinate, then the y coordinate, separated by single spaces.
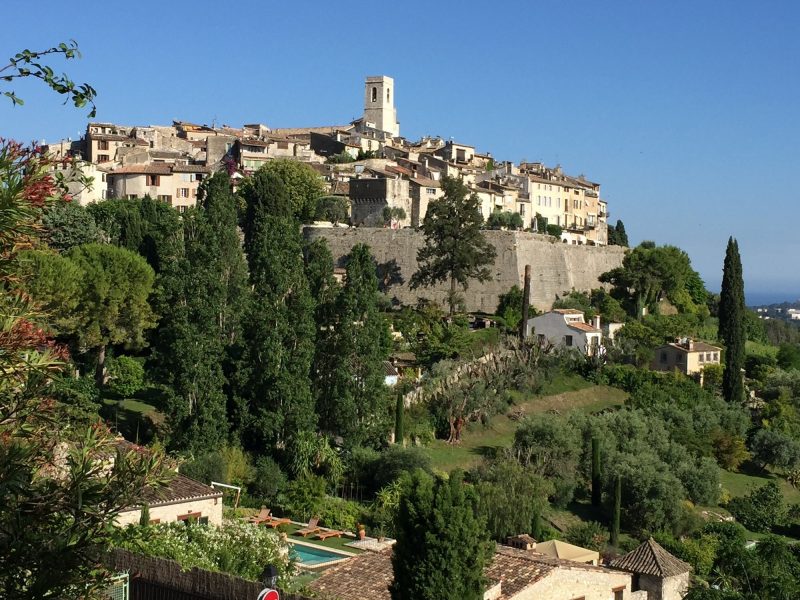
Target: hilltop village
pixel 367 162
pixel 337 363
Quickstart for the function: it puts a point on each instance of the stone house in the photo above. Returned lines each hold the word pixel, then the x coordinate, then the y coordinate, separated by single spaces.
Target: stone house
pixel 566 328
pixel 181 499
pixel 519 574
pixel 173 184
pixel 685 355
pixel 656 571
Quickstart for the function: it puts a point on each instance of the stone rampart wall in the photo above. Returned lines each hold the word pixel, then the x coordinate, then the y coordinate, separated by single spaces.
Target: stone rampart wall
pixel 556 267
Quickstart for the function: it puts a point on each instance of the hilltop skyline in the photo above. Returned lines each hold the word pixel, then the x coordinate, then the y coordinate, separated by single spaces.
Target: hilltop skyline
pixel 670 108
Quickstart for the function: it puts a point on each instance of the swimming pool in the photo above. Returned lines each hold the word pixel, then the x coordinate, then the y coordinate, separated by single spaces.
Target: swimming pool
pixel 312 556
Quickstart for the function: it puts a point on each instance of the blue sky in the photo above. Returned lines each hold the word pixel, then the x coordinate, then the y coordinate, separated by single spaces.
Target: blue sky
pixel 686 112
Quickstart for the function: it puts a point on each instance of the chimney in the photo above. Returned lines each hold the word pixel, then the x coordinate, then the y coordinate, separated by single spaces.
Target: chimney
pixel 690 344
pixel 522 542
pixel 597 322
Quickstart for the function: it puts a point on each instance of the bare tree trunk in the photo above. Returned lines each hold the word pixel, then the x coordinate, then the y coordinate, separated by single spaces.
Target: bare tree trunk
pixel 526 301
pixel 452 298
pixel 100 368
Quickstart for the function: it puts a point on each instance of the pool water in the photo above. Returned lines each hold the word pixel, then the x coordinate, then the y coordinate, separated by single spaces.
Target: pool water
pixel 312 555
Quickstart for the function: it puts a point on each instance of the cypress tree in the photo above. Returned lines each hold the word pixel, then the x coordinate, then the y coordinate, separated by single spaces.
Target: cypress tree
pixel 399 415
pixel 596 483
pixel 144 516
pixel 202 298
pixel 352 397
pixel 276 386
pixel 620 236
pixel 617 510
pixel 732 323
pixel 442 544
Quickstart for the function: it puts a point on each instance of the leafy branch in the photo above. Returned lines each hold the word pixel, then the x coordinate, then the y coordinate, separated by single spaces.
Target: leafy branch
pixel 29 63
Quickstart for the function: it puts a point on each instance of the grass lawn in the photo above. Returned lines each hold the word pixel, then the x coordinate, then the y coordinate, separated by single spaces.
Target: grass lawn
pixel 760 349
pixel 563 394
pixel 739 484
pixel 134 417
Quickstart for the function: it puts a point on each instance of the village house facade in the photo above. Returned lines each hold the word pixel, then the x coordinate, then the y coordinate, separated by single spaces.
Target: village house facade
pixel 566 328
pixel 686 355
pixel 169 161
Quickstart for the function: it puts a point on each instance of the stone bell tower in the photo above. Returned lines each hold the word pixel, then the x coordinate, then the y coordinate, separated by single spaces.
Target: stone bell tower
pixel 379 110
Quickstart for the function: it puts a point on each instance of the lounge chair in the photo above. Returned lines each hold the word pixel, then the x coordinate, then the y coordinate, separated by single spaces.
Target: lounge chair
pixel 274 522
pixel 312 527
pixel 262 517
pixel 321 535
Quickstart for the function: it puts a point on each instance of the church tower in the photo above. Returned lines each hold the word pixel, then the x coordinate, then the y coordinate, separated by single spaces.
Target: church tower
pixel 379 110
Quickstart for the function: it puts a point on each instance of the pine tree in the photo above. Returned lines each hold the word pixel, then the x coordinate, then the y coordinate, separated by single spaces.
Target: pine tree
pixel 732 323
pixel 280 337
pixel 455 249
pixel 203 296
pixel 442 545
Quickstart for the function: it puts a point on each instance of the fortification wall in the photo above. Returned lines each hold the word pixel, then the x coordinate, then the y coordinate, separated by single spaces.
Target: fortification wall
pixel 555 267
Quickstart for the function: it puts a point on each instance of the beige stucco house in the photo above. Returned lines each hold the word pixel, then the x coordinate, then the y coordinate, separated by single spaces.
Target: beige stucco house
pixel 181 499
pixel 686 355
pixel 173 184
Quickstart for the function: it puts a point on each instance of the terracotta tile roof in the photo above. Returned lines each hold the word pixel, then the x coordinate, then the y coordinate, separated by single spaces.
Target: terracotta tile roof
pixel 583 327
pixel 389 370
pixel 424 181
pixel 365 577
pixel 697 347
pixel 516 570
pixel 369 575
pixel 650 559
pixel 158 169
pixel 179 489
pixel 191 169
pixel 110 137
pixel 256 143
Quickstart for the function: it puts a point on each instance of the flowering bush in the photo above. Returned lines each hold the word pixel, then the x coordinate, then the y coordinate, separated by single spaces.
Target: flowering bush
pixel 236 548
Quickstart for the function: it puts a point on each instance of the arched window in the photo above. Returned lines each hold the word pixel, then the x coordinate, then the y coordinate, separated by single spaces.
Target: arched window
pixel 374 94
pixel 387 95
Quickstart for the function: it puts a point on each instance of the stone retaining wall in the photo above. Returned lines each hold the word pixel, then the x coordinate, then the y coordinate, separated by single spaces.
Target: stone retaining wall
pixel 556 267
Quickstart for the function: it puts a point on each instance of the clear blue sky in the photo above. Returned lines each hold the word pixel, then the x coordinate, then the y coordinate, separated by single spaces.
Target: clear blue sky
pixel 687 112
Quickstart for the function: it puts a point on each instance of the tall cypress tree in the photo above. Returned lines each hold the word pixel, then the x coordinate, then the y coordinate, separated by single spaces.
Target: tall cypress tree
pixel 202 299
pixel 732 323
pixel 281 331
pixel 442 544
pixel 352 397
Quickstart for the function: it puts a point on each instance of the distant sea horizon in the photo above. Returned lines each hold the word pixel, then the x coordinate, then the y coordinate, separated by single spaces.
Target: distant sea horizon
pixel 763 297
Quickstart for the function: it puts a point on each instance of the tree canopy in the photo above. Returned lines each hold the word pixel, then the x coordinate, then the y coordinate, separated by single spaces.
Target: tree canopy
pixel 442 543
pixel 455 250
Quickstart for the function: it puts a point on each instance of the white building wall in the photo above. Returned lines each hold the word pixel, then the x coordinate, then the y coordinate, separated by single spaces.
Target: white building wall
pixel 210 507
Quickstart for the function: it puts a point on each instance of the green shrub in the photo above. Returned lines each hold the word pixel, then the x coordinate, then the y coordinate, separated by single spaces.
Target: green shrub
pixel 761 510
pixel 305 497
pixel 125 375
pixel 340 514
pixel 554 230
pixel 590 535
pixel 236 547
pixel 268 481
